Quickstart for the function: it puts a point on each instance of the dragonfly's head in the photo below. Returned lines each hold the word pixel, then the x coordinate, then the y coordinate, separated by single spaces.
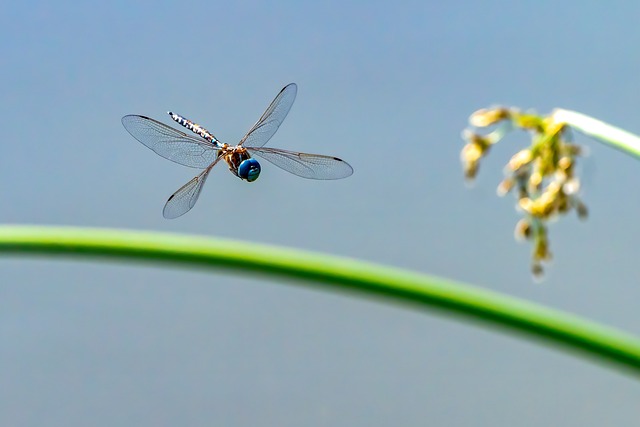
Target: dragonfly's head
pixel 249 170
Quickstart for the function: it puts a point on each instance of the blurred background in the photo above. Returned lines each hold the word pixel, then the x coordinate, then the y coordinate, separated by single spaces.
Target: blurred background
pixel 387 86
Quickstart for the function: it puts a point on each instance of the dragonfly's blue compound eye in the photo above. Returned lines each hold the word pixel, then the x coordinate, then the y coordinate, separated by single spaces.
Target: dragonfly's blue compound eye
pixel 249 169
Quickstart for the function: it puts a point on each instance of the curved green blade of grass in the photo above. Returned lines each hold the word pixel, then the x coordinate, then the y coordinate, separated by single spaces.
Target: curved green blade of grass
pixel 599 130
pixel 331 273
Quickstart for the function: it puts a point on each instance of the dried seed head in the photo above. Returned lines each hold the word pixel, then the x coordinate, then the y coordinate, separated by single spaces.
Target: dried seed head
pixel 543 175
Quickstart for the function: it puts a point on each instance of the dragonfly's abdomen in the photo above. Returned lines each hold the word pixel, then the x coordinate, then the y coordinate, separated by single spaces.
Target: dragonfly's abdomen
pixel 193 127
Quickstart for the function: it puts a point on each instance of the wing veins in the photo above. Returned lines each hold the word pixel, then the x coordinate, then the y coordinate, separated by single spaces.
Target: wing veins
pixel 267 125
pixel 305 165
pixel 170 143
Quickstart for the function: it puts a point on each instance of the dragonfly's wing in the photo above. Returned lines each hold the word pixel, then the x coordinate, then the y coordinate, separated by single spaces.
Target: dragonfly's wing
pixel 169 143
pixel 272 118
pixel 186 197
pixel 312 166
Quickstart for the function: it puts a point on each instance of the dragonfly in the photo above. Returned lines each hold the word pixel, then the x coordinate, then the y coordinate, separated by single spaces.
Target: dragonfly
pixel 204 151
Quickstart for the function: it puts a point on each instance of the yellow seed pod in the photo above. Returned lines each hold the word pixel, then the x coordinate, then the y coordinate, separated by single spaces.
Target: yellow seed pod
pixel 581 209
pixel 544 208
pixel 541 250
pixel 554 128
pixel 505 186
pixel 522 230
pixel 537 270
pixel 471 152
pixel 526 204
pixel 573 150
pixel 571 186
pixel 535 181
pixel 565 163
pixel 487 117
pixel 470 170
pixel 528 122
pixel 520 159
pixel 562 203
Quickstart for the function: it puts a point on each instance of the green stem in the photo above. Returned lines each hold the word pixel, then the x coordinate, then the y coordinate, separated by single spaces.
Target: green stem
pixel 611 135
pixel 329 272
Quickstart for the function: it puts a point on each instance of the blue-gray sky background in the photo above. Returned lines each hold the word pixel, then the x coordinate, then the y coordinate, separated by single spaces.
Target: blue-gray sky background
pixel 387 86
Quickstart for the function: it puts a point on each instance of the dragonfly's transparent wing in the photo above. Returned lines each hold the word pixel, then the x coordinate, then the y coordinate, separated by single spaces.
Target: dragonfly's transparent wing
pixel 186 197
pixel 272 118
pixel 169 143
pixel 312 166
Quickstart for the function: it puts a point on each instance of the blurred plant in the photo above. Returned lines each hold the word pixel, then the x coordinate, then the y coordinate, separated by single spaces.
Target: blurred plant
pixel 542 176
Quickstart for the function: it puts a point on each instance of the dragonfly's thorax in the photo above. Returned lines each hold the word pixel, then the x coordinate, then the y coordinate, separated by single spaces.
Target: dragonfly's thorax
pixel 233 155
pixel 240 162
